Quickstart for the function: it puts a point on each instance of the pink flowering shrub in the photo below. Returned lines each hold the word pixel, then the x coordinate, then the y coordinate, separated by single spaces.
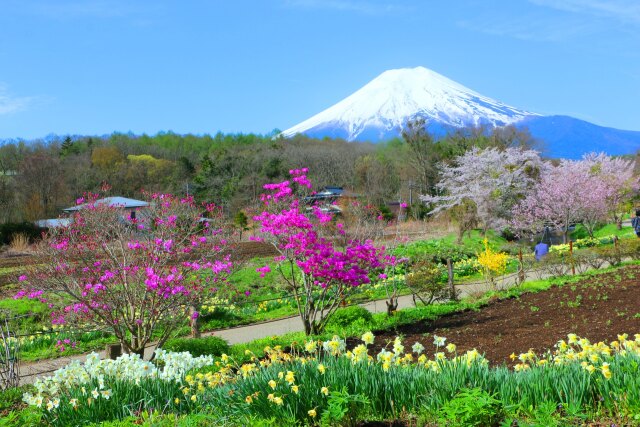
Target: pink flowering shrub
pixel 320 264
pixel 139 278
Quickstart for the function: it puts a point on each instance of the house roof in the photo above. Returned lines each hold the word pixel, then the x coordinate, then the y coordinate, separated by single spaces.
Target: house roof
pixel 53 223
pixel 121 202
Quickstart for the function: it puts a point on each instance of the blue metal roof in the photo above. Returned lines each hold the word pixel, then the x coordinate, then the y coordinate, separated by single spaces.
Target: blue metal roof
pixel 121 202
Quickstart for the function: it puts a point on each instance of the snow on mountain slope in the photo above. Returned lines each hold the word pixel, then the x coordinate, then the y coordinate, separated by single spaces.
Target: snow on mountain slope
pixel 384 105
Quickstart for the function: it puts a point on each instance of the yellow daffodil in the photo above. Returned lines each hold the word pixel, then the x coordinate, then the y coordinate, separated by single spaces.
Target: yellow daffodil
pixel 310 346
pixel 368 338
pixel 290 378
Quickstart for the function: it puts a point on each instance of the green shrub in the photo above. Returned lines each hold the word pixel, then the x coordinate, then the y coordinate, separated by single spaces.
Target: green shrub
pixel 214 346
pixel 425 282
pixel 386 213
pixel 345 317
pixel 630 248
pixel 611 254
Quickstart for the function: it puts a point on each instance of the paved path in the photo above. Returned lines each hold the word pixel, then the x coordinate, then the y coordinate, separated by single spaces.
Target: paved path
pixel 243 334
pixel 237 335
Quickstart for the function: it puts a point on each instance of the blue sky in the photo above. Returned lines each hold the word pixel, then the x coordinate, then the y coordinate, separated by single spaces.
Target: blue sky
pixel 195 66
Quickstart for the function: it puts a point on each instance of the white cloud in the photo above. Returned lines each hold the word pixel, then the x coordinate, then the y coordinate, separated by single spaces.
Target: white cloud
pixel 627 11
pixel 13 104
pixel 530 29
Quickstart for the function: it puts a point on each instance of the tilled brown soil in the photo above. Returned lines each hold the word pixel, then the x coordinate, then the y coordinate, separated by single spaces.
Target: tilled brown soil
pixel 597 308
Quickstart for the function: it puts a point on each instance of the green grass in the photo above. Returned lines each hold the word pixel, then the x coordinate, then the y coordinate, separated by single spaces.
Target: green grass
pixel 6 270
pixel 607 230
pixel 19 307
pixel 247 278
pixel 33 315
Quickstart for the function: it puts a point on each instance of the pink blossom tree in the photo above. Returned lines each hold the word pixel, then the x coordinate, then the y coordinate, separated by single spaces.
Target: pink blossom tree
pixel 617 176
pixel 567 194
pixel 319 263
pixel 139 278
pixel 490 180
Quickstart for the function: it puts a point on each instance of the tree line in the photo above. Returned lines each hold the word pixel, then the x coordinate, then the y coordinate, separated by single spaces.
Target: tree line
pixel 39 178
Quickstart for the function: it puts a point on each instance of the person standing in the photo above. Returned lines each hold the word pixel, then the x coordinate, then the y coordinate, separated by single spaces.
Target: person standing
pixel 541 250
pixel 635 223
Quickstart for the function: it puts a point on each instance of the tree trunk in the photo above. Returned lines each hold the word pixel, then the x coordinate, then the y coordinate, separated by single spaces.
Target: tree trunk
pixel 138 351
pixel 392 305
pixel 195 322
pixel 308 327
pixel 452 288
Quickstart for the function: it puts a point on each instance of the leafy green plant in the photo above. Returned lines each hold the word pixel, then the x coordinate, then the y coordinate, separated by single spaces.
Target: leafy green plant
pixel 11 398
pixel 545 414
pixel 471 407
pixel 28 417
pixel 343 408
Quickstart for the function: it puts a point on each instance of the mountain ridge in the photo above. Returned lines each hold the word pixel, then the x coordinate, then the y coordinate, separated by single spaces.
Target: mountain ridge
pixel 380 109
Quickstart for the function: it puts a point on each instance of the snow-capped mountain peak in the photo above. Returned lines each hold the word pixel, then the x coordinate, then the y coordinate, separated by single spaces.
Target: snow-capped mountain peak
pixel 384 105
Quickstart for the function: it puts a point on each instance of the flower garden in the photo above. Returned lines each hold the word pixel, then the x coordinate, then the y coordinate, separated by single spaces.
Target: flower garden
pixel 324 383
pixel 557 351
pixel 441 375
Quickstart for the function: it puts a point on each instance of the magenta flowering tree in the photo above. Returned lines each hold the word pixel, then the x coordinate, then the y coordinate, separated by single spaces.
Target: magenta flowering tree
pixel 319 263
pixel 139 278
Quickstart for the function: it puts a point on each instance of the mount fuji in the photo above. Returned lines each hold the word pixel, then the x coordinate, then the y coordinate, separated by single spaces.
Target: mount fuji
pixel 380 109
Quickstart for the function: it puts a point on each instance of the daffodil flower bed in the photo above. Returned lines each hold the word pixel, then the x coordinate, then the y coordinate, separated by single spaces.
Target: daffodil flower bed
pixel 299 386
pixel 587 242
pixel 110 389
pixel 578 374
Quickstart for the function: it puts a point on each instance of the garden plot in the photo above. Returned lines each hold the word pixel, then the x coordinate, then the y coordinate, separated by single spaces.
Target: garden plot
pixel 599 308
